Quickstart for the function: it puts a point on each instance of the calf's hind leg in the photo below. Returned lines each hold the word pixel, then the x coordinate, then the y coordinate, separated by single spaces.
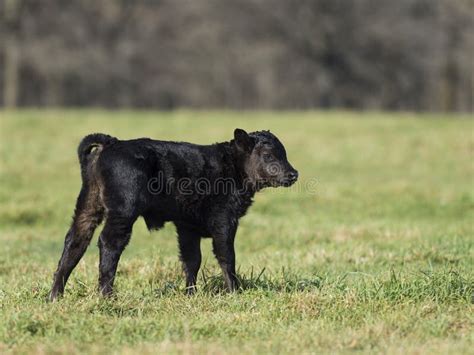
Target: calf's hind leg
pixel 88 215
pixel 112 241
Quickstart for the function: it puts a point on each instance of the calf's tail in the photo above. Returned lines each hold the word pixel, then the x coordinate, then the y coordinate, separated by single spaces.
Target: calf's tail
pixel 90 147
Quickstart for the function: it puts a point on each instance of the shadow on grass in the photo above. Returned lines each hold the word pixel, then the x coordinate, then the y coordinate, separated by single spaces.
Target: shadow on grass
pixel 213 284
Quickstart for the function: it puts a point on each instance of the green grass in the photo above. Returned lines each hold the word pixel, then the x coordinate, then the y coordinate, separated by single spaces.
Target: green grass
pixel 372 251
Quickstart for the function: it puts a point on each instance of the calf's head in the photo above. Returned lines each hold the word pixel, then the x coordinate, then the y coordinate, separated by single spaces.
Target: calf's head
pixel 263 159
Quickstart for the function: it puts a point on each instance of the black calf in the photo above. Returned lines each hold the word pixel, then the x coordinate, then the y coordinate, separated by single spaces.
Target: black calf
pixel 203 190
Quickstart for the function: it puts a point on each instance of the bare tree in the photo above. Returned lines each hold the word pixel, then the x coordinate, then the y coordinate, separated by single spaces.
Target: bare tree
pixel 377 54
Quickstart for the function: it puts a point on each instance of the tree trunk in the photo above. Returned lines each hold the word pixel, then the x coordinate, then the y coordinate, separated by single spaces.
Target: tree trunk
pixel 11 58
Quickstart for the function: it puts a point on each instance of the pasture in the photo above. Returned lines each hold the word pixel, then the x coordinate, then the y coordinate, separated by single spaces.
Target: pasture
pixel 372 250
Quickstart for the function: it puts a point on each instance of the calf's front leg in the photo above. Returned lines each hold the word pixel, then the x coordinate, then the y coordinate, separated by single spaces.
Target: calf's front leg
pixel 190 254
pixel 223 248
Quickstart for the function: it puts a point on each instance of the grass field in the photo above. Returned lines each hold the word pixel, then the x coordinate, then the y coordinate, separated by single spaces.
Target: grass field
pixel 372 251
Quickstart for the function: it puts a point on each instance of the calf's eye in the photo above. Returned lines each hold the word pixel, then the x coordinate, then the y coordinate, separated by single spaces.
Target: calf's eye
pixel 267 157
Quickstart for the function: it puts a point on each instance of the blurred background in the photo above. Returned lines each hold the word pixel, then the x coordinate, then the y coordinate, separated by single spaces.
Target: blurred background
pixel 371 251
pixel 414 55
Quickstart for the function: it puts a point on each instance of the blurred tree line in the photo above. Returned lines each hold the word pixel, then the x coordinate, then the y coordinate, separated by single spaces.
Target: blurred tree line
pixel 279 54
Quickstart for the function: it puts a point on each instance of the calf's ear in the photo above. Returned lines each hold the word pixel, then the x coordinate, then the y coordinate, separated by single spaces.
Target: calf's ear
pixel 243 141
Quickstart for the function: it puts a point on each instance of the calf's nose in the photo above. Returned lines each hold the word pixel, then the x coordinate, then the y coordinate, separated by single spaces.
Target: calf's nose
pixel 293 175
